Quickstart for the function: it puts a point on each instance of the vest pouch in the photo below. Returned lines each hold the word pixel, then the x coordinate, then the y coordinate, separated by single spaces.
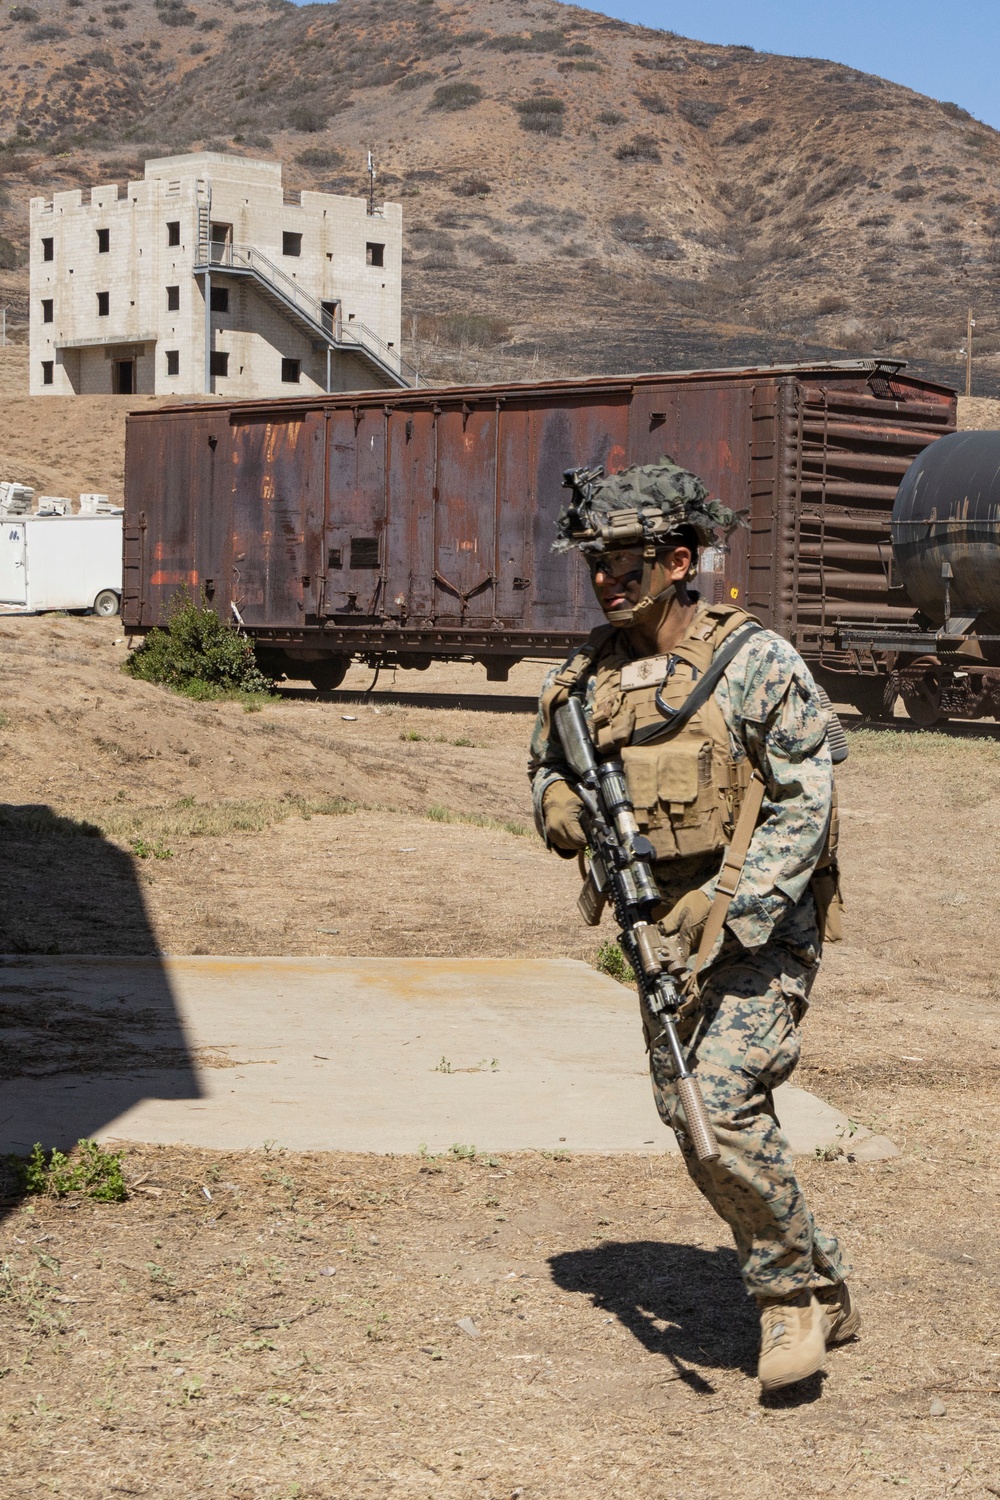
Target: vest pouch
pixel 641 763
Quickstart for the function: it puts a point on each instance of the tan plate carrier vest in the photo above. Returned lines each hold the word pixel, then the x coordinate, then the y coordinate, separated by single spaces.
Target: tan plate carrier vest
pixel 687 790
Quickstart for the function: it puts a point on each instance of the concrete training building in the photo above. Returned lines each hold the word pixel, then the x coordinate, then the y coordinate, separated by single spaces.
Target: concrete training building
pixel 208 276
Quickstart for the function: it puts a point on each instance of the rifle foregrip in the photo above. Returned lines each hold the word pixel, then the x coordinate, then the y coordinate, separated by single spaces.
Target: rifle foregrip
pixel 699 1126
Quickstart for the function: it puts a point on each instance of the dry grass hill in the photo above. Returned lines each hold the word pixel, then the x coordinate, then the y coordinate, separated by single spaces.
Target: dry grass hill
pixel 581 195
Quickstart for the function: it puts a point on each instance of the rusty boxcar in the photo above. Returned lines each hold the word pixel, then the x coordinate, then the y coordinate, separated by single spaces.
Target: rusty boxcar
pixel 413 525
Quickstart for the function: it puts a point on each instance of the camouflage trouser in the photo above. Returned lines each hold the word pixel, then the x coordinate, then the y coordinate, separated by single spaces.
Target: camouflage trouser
pixel 746 1042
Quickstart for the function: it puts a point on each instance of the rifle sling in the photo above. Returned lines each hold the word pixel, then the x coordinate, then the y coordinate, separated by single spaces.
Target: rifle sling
pixel 702 691
pixel 732 868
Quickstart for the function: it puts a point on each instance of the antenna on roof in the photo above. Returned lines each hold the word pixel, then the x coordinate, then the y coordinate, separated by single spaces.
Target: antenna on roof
pixel 371 185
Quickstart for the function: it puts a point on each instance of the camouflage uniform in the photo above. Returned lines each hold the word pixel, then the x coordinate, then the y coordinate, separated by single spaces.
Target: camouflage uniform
pixel 743 1041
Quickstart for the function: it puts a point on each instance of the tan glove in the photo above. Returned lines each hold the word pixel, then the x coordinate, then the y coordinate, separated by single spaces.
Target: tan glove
pixel 685 921
pixel 561 809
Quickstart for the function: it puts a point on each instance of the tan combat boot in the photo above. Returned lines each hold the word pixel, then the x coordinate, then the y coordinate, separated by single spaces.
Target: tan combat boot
pixel 792 1339
pixel 841 1311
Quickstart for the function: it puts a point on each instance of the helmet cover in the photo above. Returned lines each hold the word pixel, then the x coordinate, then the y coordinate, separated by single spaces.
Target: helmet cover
pixel 644 506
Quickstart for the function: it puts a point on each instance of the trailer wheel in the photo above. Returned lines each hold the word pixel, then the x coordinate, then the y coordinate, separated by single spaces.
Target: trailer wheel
pixel 107 604
pixel 328 674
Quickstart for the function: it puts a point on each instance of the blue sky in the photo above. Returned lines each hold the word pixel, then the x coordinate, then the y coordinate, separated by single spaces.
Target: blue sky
pixel 950 51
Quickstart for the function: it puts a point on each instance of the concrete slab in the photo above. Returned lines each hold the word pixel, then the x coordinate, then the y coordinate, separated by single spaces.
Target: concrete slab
pixel 354 1055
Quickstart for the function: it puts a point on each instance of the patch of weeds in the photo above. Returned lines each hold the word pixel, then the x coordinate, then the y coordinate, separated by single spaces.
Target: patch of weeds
pixel 143 849
pixel 640 148
pixel 438 814
pixel 326 157
pixel 411 734
pixel 444 1066
pixel 189 819
pixel 472 187
pixel 611 960
pixel 456 1152
pixel 457 95
pixel 94 1172
pixel 542 114
pixel 4 720
pixel 610 117
pixel 200 656
pixel 41 820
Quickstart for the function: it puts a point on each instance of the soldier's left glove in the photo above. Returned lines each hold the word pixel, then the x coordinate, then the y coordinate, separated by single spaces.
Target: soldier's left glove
pixel 685 921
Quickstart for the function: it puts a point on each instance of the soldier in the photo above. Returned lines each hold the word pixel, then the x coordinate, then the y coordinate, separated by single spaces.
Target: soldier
pixel 689 755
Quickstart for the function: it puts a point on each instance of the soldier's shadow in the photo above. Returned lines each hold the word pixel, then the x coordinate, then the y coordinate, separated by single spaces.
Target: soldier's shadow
pixel 679 1301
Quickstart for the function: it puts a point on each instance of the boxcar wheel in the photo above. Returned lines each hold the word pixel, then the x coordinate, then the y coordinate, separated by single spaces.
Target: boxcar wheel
pixel 106 604
pixel 922 697
pixel 328 674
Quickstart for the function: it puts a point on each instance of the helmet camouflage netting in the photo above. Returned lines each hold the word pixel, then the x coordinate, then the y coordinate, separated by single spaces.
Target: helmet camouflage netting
pixel 644 505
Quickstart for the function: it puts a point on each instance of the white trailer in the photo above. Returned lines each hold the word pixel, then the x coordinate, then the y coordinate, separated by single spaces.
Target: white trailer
pixel 61 562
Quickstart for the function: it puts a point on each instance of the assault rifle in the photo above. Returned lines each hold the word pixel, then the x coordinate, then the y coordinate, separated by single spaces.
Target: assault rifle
pixel 619 870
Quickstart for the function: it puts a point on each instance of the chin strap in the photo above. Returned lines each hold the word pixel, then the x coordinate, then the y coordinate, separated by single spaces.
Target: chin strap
pixel 632 614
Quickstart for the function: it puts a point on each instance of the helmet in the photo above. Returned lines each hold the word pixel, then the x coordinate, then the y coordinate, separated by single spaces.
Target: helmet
pixel 652 507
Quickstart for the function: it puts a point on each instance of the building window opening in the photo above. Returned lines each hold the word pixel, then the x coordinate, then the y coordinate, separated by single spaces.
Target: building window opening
pixel 290 371
pixel 220 299
pixel 47 309
pixel 218 362
pixel 330 315
pixel 103 304
pixel 173 299
pixel 173 362
pixel 174 232
pixel 291 244
pixel 374 254
pixel 48 249
pixel 103 241
pixel 123 377
pixel 47 368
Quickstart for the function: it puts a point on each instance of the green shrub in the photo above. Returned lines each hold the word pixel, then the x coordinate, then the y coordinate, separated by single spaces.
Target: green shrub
pixel 9 257
pixel 611 960
pixel 94 1172
pixel 198 655
pixel 452 96
pixel 610 117
pixel 23 13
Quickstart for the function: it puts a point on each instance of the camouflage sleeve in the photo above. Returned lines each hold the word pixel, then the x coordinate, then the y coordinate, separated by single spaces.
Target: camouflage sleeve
pixel 545 760
pixel 775 716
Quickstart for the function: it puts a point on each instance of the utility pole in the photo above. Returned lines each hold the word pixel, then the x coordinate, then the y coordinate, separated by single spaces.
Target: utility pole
pixel 371 186
pixel 968 353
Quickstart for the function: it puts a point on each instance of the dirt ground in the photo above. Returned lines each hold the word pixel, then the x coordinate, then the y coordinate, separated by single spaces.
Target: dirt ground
pixel 178 1344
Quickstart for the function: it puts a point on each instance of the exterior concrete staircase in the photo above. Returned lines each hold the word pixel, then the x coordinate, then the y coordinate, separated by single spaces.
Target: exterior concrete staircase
pixel 284 293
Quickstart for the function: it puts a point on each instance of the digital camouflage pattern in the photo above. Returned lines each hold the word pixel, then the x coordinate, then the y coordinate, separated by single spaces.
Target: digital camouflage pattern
pixel 757 980
pixel 655 492
pixel 745 1043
